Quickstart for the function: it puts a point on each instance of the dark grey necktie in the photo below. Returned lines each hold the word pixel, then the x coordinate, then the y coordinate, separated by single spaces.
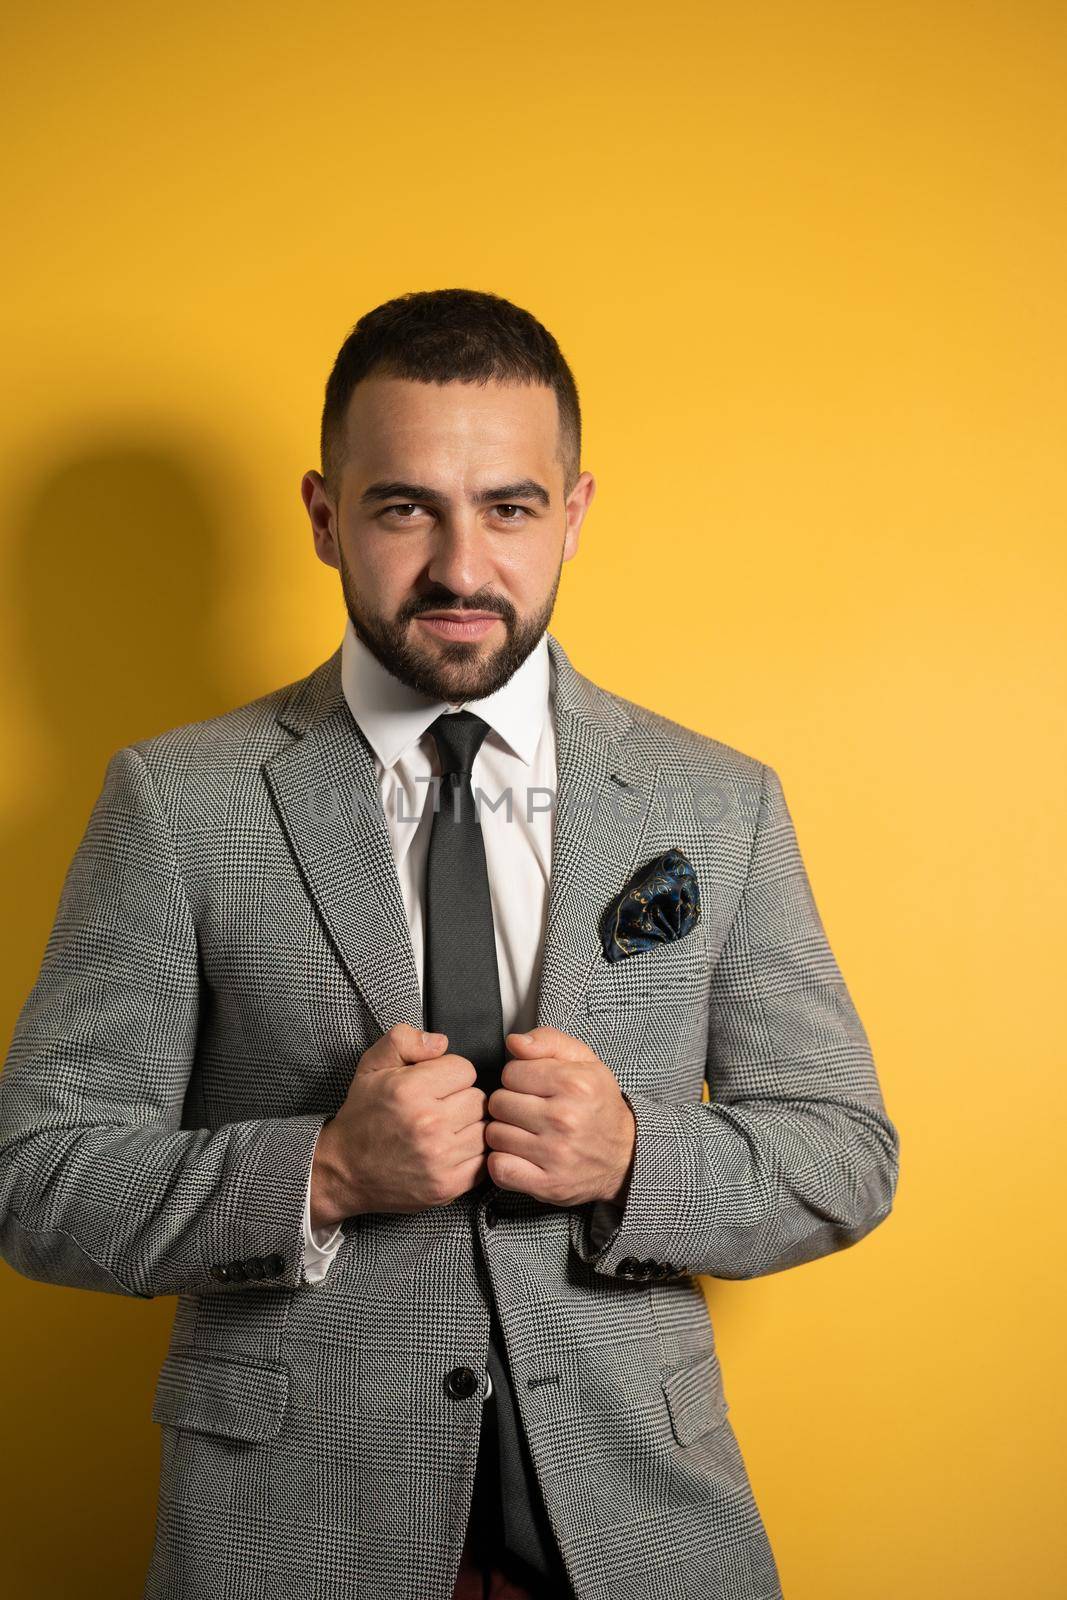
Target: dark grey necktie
pixel 461 983
pixel 461 998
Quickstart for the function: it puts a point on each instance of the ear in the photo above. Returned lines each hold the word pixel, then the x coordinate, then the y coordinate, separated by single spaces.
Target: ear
pixel 578 503
pixel 322 514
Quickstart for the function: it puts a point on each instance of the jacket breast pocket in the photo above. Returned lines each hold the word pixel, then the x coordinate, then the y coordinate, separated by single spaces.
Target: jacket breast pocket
pixel 215 1394
pixel 695 1398
pixel 676 973
pixel 644 991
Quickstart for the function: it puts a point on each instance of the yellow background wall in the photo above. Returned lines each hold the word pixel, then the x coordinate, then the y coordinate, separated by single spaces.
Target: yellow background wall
pixel 807 262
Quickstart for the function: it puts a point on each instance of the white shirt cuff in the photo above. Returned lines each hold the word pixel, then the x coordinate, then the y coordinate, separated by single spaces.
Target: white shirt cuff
pixel 320 1244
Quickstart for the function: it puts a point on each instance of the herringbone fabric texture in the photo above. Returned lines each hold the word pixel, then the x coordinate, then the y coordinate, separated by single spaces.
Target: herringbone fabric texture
pixel 230 938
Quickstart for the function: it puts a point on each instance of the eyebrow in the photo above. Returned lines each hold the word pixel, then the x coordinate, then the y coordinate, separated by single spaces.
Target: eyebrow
pixel 523 489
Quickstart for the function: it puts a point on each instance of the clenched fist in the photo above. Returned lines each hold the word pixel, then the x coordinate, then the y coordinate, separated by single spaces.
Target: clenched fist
pixel 560 1129
pixel 410 1134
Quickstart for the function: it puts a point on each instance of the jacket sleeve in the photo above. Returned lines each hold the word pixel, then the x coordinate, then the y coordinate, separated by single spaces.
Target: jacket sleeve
pixel 100 1185
pixel 793 1156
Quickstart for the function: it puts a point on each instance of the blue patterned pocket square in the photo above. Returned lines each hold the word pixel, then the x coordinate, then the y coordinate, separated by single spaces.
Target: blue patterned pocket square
pixel 660 902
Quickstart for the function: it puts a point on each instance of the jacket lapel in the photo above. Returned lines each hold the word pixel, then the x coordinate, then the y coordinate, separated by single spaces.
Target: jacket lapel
pixel 324 785
pixel 605 793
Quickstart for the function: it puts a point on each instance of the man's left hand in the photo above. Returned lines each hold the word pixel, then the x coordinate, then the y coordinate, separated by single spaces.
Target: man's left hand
pixel 560 1130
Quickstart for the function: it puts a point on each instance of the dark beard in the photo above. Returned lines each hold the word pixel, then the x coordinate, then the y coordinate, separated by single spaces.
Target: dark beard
pixel 459 673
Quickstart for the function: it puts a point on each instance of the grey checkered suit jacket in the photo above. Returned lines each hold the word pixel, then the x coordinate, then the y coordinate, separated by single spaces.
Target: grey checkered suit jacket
pixel 229 939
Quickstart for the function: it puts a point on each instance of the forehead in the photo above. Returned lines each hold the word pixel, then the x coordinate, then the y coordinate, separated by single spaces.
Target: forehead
pixel 393 421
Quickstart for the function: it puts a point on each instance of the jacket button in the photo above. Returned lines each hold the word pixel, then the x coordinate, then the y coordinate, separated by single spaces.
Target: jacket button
pixel 236 1271
pixel 461 1382
pixel 255 1267
pixel 220 1273
pixel 666 1270
pixel 492 1216
pixel 627 1267
pixel 650 1269
pixel 274 1265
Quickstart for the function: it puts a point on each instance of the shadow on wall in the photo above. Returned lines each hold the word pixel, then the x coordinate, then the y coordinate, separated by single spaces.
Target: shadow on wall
pixel 113 576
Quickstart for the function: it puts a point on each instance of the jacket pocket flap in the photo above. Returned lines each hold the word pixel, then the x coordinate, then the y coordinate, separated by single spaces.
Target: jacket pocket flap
pixel 216 1394
pixel 695 1398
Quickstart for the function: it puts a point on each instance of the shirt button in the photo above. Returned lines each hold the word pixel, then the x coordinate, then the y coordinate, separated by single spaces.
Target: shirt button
pixel 492 1215
pixel 461 1382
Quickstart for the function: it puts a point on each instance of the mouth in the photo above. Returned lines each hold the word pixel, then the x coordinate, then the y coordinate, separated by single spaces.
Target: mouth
pixel 457 624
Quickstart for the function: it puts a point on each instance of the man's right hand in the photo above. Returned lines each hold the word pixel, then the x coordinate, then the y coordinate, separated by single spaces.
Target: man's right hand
pixel 410 1134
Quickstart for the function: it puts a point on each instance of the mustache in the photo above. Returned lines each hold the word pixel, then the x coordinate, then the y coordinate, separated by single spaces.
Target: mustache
pixel 448 602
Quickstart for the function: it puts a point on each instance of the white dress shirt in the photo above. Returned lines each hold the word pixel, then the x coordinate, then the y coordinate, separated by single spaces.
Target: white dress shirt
pixel 517 759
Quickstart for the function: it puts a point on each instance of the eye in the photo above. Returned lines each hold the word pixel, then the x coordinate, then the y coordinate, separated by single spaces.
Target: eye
pixel 407 505
pixel 509 507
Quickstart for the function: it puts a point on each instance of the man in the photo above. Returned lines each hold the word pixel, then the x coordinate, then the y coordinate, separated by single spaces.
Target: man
pixel 375 1025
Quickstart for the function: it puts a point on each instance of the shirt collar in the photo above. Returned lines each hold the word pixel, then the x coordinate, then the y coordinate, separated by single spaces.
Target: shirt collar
pixel 394 717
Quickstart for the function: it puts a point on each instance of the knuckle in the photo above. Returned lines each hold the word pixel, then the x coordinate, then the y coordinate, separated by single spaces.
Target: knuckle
pixel 390 1087
pixel 422 1123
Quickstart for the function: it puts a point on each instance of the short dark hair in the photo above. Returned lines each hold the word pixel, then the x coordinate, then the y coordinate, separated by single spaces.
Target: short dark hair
pixel 445 336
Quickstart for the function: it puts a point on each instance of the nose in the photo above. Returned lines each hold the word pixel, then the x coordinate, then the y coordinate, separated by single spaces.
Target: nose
pixel 459 560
